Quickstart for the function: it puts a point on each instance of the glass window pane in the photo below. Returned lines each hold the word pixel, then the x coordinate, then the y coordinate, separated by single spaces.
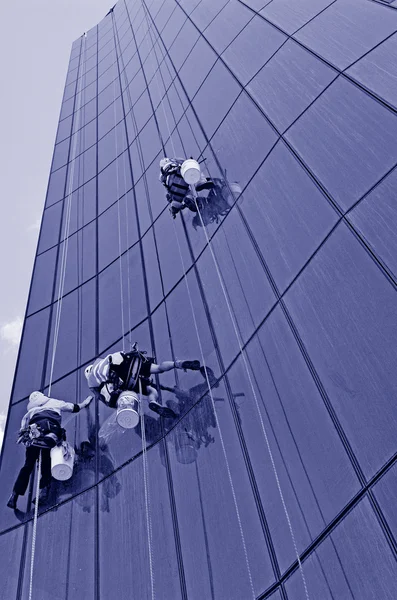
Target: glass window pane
pixel 42 281
pixel 385 493
pixel 227 25
pixel 345 312
pixel 347 139
pixel 31 355
pixel 252 48
pixel 197 66
pixel 10 551
pixel 120 215
pixel 291 15
pixel 355 561
pixel 287 214
pixel 121 517
pixel 206 11
pixel 152 270
pixel 376 219
pixel 283 88
pixel 49 234
pixel 114 182
pixel 378 71
pixel 244 128
pixel 168 237
pixel 347 30
pixel 215 97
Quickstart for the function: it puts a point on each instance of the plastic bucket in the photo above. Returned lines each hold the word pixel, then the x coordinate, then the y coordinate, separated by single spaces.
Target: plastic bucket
pixel 62 459
pixel 235 188
pixel 190 171
pixel 128 410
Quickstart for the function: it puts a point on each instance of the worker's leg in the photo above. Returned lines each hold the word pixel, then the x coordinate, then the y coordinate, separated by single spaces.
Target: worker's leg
pixel 154 405
pixel 45 468
pixel 168 365
pixel 21 484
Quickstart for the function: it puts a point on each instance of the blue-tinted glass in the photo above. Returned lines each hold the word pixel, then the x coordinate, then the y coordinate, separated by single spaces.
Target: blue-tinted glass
pixel 106 119
pixel 49 234
pixel 56 186
pixel 206 11
pixel 288 83
pixel 111 146
pixel 10 549
pixel 118 220
pixel 244 127
pixel 173 264
pixel 43 280
pixel 287 214
pixel 61 154
pixel 290 15
pixel 197 66
pixel 152 270
pixel 385 493
pixel 196 451
pixel 119 302
pixel 340 303
pixel 145 219
pixel 31 355
pixel 64 129
pixel 252 48
pixel 248 293
pixel 108 95
pixel 107 77
pixel 82 208
pixel 114 182
pixel 347 30
pixel 149 142
pixel 376 219
pixel 63 348
pixel 120 518
pixel 183 43
pixel 215 97
pixel 227 25
pixel 173 26
pixel 65 546
pixel 142 111
pixel 155 190
pixel 347 140
pixel 355 562
pixel 378 71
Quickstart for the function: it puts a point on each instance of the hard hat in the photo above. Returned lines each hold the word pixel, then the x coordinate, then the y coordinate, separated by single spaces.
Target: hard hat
pixel 36 399
pixel 34 396
pixel 164 162
pixel 87 371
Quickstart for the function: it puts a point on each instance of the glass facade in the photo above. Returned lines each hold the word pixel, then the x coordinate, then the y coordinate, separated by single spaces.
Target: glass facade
pixel 278 478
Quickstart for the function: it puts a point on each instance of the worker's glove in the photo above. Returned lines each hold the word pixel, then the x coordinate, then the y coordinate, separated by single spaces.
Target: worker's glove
pixel 85 402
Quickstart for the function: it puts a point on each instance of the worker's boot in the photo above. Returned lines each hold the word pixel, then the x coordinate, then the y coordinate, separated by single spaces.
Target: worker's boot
pixel 43 496
pixel 163 411
pixel 191 365
pixel 12 501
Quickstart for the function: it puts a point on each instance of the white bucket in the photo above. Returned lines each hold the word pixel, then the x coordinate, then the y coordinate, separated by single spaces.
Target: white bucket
pixel 128 410
pixel 235 188
pixel 190 171
pixel 61 467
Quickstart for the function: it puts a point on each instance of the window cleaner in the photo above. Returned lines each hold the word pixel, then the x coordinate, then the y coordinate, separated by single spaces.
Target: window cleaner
pixel 120 378
pixel 41 430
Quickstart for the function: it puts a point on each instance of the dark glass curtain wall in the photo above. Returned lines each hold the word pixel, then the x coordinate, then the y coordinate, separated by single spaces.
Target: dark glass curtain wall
pixel 278 481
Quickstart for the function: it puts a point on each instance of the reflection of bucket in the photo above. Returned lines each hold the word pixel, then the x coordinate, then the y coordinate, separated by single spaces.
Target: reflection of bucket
pixel 235 188
pixel 62 458
pixel 128 410
pixel 185 448
pixel 190 171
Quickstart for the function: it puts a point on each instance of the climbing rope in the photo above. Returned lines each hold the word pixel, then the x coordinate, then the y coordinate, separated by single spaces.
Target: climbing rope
pixel 146 489
pixel 34 532
pixel 65 240
pixel 118 211
pixel 239 343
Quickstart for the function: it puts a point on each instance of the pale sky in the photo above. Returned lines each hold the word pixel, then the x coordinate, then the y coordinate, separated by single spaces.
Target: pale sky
pixel 35 42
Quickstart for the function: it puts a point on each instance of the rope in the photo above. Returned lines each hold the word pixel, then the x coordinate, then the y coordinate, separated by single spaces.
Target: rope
pixel 34 532
pixel 217 421
pixel 67 224
pixel 118 212
pixel 146 488
pixel 203 360
pixel 240 343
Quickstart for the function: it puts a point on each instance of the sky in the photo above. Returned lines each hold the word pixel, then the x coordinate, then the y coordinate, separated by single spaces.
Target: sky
pixel 35 42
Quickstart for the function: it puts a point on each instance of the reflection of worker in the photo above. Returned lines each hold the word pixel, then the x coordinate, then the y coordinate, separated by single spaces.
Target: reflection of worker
pixel 179 194
pixel 193 432
pixel 132 371
pixel 41 430
pixel 217 204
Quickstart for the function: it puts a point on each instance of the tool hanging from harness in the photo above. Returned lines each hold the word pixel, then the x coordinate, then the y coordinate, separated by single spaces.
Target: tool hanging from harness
pixel 117 373
pixel 43 432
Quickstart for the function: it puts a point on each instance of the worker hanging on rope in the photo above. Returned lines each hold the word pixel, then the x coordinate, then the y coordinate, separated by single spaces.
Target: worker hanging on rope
pixel 179 192
pixel 118 378
pixel 41 430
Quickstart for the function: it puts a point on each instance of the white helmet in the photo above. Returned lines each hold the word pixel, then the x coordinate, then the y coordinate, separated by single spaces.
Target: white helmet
pixel 36 399
pixel 87 371
pixel 164 162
